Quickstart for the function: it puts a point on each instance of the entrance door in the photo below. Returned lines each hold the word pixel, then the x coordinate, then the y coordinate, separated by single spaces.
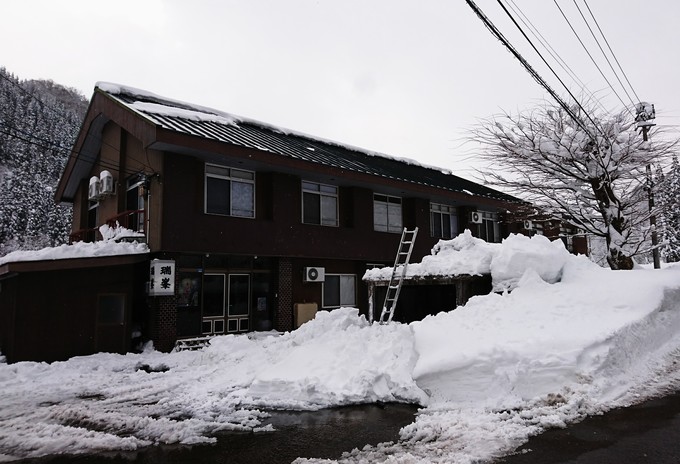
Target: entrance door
pixel 226 299
pixel 239 303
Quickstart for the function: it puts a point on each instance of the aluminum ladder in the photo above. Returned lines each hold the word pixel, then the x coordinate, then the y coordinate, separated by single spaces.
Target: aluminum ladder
pixel 408 238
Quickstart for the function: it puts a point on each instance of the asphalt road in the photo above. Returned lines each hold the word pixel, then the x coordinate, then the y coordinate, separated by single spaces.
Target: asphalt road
pixel 645 433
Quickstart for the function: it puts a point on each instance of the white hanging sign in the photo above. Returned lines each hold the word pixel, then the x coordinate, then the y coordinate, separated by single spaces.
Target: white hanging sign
pixel 162 277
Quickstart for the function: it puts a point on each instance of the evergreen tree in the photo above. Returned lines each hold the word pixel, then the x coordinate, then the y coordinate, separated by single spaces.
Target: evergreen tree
pixel 669 193
pixel 39 121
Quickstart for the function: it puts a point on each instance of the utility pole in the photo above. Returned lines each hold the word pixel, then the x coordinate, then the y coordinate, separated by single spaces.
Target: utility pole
pixel 644 120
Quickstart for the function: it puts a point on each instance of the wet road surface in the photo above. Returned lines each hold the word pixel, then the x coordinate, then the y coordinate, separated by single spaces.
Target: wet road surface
pixel 317 434
pixel 645 433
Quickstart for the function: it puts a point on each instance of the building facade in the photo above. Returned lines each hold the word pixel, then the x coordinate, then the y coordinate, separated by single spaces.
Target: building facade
pixel 254 219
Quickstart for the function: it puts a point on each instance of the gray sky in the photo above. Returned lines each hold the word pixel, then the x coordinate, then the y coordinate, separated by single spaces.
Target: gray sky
pixel 406 78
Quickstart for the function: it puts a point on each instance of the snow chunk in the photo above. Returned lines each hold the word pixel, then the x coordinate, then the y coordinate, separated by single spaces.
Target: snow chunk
pixel 519 254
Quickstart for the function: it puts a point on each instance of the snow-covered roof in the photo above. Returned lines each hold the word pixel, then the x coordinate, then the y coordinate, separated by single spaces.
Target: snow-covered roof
pixel 110 246
pixel 506 262
pixel 217 125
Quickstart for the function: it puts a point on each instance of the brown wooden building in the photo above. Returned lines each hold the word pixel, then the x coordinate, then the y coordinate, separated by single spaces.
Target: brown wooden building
pixel 255 220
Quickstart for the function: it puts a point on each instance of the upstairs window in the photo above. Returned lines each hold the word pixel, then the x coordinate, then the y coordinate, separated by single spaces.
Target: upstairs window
pixel 489 229
pixel 134 204
pixel 387 213
pixel 319 204
pixel 229 192
pixel 443 221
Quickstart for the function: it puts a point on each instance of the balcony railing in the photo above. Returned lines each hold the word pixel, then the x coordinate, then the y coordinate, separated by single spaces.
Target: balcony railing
pixel 131 219
pixel 84 235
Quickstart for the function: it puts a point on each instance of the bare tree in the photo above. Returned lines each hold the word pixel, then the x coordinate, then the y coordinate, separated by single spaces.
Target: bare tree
pixel 591 171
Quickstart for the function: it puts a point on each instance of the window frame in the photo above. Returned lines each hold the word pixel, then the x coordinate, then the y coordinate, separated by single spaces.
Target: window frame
pixel 492 218
pixel 319 191
pixel 392 229
pixel 341 304
pixel 228 176
pixel 443 209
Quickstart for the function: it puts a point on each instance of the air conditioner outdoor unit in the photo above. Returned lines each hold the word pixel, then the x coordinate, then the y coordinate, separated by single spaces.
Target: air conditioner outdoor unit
pixel 315 274
pixel 93 189
pixel 476 217
pixel 106 183
pixel 528 225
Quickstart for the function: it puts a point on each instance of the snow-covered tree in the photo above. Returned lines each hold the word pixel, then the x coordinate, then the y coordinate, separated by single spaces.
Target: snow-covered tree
pixel 592 171
pixel 39 121
pixel 668 220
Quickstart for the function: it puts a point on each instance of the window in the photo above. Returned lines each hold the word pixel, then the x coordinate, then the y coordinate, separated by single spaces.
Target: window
pixel 92 221
pixel 387 213
pixel 538 227
pixel 134 203
pixel 213 295
pixel 229 192
pixel 339 290
pixel 489 229
pixel 319 204
pixel 443 221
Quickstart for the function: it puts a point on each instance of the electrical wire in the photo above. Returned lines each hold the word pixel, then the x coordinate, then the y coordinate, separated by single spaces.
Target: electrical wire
pixel 72 153
pixel 591 57
pixel 50 145
pixel 553 53
pixel 563 104
pixel 603 53
pixel 611 51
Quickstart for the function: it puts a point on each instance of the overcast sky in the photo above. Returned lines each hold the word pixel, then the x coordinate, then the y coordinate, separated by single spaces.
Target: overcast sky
pixel 406 78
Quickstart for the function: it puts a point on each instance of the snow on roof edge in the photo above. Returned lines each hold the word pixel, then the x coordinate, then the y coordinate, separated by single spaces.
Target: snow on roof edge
pixel 118 89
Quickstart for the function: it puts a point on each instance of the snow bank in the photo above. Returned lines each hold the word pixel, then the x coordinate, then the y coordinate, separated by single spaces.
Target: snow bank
pixel 111 401
pixel 506 262
pixel 536 339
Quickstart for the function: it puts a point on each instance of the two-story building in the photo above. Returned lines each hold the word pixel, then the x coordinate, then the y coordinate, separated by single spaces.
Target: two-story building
pixel 254 219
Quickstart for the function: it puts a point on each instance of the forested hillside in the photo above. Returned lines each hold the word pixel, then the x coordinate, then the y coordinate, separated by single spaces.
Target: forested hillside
pixel 39 121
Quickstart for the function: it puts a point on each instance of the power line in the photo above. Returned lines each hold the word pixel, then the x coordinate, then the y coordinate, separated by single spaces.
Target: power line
pixel 611 51
pixel 41 142
pixel 31 95
pixel 72 152
pixel 591 57
pixel 494 30
pixel 603 53
pixel 553 53
pixel 552 92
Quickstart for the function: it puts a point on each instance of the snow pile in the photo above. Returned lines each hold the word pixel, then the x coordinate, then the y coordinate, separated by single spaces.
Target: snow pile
pixel 506 262
pixel 488 350
pixel 489 374
pixel 109 401
pixel 519 254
